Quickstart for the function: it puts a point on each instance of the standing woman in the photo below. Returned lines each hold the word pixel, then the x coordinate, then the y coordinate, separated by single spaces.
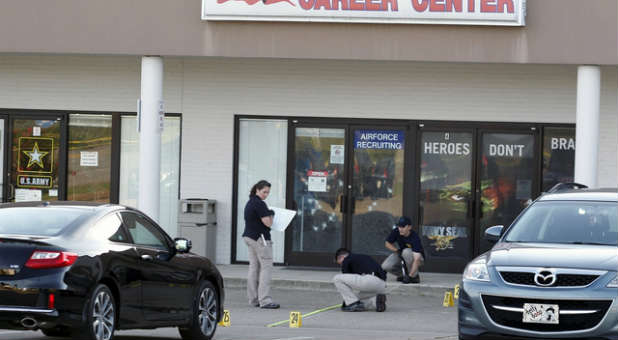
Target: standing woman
pixel 258 220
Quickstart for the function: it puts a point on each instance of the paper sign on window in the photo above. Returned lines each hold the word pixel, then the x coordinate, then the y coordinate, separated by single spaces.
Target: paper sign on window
pixel 316 180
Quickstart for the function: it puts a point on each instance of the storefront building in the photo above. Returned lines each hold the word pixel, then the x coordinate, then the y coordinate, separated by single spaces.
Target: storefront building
pixel 355 118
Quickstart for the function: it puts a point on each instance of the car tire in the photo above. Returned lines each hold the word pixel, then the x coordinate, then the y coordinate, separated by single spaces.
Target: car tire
pixel 205 314
pixel 101 318
pixel 57 332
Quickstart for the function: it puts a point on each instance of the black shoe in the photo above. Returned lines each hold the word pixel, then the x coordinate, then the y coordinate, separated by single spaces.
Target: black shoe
pixel 257 304
pixel 380 303
pixel 407 279
pixel 354 307
pixel 271 305
pixel 400 278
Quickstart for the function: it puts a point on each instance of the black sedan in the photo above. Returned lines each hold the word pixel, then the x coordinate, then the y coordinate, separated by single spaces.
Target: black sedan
pixel 86 270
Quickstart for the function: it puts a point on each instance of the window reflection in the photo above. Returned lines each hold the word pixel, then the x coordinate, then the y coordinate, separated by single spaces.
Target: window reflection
pixel 89 158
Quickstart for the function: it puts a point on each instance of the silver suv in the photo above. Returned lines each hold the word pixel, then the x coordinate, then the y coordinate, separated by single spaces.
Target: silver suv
pixel 552 274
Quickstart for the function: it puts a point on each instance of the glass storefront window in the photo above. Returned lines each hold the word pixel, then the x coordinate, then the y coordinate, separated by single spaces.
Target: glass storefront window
pixel 446 194
pixel 170 169
pixel 558 156
pixel 262 149
pixel 377 187
pixel 318 186
pixel 35 159
pixel 89 158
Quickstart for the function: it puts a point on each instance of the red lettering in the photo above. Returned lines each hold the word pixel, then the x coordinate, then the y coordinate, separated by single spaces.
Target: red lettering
pixel 371 6
pixel 393 4
pixel 453 4
pixel 306 4
pixel 488 6
pixel 356 6
pixel 471 6
pixel 437 6
pixel 510 8
pixel 421 5
pixel 322 3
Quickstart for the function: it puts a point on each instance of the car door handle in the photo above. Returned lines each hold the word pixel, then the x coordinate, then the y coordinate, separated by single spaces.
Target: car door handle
pixel 147 257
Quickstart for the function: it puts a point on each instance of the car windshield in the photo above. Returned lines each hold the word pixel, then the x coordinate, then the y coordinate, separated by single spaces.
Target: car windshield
pixel 576 222
pixel 37 220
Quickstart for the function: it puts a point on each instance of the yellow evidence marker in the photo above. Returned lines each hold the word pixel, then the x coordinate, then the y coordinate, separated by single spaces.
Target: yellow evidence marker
pixel 448 300
pixel 456 293
pixel 225 320
pixel 296 320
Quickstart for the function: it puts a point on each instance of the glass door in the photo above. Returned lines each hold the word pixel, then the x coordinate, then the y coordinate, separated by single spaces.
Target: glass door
pixel 377 183
pixel 36 160
pixel 446 198
pixel 3 134
pixel 507 178
pixel 319 184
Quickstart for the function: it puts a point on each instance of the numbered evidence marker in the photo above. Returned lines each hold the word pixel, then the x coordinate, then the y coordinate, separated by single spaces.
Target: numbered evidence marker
pixel 448 300
pixel 225 320
pixel 456 293
pixel 296 320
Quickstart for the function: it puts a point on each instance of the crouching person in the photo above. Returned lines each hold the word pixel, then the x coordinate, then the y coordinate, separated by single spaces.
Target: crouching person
pixel 362 282
pixel 407 252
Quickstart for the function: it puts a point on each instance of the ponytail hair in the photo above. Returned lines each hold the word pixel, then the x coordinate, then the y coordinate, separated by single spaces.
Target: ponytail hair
pixel 259 186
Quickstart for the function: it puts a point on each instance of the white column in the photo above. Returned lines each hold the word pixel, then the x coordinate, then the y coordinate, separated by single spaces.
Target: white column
pixel 150 136
pixel 587 125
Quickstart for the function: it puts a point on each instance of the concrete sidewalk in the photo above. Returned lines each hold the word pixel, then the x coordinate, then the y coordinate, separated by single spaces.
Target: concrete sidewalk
pixel 320 280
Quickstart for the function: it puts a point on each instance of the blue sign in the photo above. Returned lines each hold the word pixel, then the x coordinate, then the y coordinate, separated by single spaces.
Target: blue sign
pixel 379 139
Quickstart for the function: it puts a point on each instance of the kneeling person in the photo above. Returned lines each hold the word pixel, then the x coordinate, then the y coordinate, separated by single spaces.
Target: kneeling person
pixel 362 283
pixel 405 245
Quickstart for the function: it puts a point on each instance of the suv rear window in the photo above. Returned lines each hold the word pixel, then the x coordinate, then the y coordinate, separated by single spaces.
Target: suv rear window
pixel 576 222
pixel 38 221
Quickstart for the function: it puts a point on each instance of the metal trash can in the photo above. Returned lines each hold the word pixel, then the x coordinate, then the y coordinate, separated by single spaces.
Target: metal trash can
pixel 197 221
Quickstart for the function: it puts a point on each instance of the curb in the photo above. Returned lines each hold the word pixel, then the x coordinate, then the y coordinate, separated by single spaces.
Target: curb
pixel 393 288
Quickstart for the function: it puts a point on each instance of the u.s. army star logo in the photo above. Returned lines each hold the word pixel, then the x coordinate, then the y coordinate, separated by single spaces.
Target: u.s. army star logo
pixel 35 156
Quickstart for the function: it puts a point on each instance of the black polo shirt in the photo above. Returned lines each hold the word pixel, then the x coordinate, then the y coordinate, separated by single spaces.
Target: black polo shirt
pixel 254 211
pixel 362 264
pixel 412 241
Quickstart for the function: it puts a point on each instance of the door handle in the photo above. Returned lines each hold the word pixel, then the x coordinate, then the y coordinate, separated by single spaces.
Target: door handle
pixel 147 257
pixel 353 204
pixel 343 201
pixel 470 208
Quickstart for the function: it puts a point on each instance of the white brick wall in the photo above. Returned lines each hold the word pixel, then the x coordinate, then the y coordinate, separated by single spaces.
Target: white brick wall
pixel 210 91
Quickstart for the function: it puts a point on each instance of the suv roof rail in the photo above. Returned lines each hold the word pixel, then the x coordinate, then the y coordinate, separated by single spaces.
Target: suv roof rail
pixel 566 186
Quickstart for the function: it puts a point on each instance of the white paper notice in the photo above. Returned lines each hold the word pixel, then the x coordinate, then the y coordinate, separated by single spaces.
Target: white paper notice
pixel 282 219
pixel 316 183
pixel 336 154
pixel 53 192
pixel 89 158
pixel 27 195
pixel 36 131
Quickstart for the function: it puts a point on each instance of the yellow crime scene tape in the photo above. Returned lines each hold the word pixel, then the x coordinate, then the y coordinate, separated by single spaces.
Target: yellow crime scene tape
pixel 275 324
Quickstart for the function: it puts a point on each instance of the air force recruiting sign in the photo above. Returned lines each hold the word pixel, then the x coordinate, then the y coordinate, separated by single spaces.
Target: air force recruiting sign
pixel 441 12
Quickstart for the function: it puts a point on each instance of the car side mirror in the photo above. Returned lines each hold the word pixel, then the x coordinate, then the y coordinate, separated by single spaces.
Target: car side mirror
pixel 182 245
pixel 492 234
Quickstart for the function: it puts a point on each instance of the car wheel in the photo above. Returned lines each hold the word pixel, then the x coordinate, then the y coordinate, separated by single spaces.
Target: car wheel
pixel 59 332
pixel 100 315
pixel 205 313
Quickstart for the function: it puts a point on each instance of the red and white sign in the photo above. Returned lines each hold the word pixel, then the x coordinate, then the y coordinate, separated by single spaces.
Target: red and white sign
pixel 316 181
pixel 441 12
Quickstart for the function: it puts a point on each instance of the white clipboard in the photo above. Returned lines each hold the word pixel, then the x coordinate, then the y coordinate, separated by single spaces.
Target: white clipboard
pixel 282 219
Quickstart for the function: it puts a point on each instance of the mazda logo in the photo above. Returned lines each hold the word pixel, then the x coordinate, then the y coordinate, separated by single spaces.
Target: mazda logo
pixel 545 277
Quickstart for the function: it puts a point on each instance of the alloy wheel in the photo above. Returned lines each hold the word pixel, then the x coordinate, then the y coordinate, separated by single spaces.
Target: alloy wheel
pixel 103 316
pixel 207 311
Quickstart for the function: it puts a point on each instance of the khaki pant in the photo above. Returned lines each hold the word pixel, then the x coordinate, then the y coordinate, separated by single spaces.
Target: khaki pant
pixel 392 264
pixel 260 271
pixel 355 287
